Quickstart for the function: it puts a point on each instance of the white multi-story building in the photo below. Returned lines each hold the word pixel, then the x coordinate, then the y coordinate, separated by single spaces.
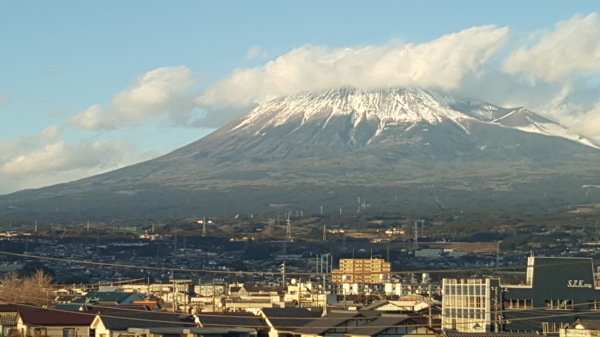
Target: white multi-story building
pixel 471 305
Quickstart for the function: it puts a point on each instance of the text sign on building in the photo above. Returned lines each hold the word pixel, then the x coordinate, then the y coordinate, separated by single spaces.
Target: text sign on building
pixel 578 284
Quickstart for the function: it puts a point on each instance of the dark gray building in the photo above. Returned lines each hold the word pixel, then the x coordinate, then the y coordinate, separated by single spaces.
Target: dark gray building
pixel 556 292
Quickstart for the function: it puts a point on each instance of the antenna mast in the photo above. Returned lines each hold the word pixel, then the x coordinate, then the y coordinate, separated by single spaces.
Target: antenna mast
pixel 288 229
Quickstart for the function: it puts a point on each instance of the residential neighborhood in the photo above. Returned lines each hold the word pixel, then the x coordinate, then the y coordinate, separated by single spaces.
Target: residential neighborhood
pixel 558 296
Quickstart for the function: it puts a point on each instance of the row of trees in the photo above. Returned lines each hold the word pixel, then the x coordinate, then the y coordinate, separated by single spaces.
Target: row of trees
pixel 34 289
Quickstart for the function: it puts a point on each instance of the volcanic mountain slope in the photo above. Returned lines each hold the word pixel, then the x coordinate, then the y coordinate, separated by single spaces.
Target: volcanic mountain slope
pixel 322 147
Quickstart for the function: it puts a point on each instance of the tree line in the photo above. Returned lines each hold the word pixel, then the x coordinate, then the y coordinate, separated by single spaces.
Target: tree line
pixel 34 289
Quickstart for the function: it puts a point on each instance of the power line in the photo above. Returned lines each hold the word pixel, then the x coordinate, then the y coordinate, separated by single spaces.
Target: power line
pixel 430 271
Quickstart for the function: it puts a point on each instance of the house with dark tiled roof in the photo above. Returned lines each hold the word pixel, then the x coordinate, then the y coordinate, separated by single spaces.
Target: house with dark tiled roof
pixel 334 324
pixel 394 326
pixel 192 332
pixel 249 296
pixel 491 334
pixel 118 323
pixel 53 323
pixel 99 308
pixel 400 306
pixel 8 316
pixel 283 321
pixel 581 328
pixel 241 319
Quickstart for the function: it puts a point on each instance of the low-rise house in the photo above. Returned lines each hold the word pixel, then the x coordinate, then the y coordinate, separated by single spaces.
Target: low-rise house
pixel 394 326
pixel 8 317
pixel 283 322
pixel 192 332
pixel 581 328
pixel 240 319
pixel 148 305
pixel 8 324
pixel 334 324
pixel 400 306
pixel 252 297
pixel 107 298
pixel 118 323
pixel 491 334
pixel 52 323
pixel 305 294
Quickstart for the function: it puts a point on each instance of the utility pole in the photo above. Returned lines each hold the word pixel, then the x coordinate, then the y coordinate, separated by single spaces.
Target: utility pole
pixel 283 274
pixel 214 295
pixel 429 320
pixel 324 276
pixel 496 315
pixel 288 229
pixel 174 291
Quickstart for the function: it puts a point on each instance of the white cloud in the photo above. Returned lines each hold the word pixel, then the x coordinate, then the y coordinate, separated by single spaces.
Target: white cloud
pixel 256 52
pixel 589 123
pixel 47 158
pixel 3 99
pixel 163 91
pixel 442 63
pixel 572 47
pixel 44 159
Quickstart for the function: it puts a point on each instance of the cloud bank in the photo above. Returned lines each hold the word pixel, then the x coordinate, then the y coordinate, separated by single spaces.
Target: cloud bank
pixel 43 159
pixel 556 72
pixel 163 91
pixel 545 74
pixel 572 47
pixel 441 63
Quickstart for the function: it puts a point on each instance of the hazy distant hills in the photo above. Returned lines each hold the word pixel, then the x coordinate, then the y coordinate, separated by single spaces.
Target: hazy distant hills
pixel 399 149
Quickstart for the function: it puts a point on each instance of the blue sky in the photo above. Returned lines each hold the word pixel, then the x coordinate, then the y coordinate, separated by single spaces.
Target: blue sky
pixel 87 87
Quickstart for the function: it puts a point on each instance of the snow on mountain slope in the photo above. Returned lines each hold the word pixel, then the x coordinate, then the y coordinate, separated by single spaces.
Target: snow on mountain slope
pixel 525 120
pixel 389 107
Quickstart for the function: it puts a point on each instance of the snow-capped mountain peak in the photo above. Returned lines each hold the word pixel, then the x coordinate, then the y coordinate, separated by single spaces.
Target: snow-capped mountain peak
pixel 383 108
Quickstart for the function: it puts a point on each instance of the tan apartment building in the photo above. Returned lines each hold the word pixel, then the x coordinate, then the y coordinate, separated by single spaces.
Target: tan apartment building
pixel 362 271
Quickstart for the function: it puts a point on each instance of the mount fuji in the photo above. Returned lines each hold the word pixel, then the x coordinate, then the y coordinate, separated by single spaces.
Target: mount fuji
pixel 396 147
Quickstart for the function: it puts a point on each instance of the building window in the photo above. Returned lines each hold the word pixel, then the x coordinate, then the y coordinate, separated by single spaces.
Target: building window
pixel 514 303
pixel 548 327
pixel 559 304
pixel 594 305
pixel 40 332
pixel 68 332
